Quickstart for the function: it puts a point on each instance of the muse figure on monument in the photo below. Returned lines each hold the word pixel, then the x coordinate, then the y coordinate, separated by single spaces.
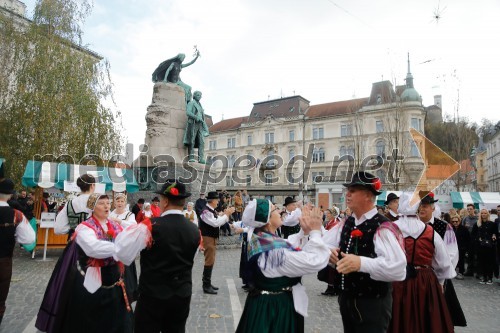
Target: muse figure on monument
pixel 196 128
pixel 170 69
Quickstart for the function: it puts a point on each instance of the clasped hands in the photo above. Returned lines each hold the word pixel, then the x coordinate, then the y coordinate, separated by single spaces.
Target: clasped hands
pixel 348 264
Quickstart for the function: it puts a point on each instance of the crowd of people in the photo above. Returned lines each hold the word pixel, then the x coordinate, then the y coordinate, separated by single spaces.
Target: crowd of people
pixel 391 267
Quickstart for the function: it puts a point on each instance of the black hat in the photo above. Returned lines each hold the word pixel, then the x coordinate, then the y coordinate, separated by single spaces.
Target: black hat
pixel 390 197
pixel 6 186
pixel 427 197
pixel 174 189
pixel 212 195
pixel 289 200
pixel 155 199
pixel 367 180
pixel 140 201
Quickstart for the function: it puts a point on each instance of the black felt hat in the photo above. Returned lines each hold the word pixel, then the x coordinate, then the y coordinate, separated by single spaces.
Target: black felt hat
pixel 427 197
pixel 367 180
pixel 212 195
pixel 390 197
pixel 174 189
pixel 289 200
pixel 6 186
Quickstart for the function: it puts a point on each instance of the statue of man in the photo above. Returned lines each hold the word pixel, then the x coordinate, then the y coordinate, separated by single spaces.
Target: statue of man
pixel 170 70
pixel 196 129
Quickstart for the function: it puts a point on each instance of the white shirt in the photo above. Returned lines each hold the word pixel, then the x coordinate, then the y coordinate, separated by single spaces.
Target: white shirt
pixel 392 213
pixel 312 258
pixel 450 242
pixel 94 247
pixel 125 221
pixel 79 205
pixel 195 219
pixel 441 262
pixel 292 218
pixel 24 233
pixel 208 217
pixel 390 263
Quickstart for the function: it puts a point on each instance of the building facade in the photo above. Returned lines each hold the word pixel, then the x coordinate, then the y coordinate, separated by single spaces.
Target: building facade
pixel 288 147
pixel 493 159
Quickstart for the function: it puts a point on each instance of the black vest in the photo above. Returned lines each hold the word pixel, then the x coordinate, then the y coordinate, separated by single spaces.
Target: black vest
pixel 166 266
pixel 360 284
pixel 7 232
pixel 439 226
pixel 205 228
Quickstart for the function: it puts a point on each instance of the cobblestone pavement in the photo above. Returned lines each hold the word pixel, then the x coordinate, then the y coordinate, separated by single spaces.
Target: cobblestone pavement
pixel 217 313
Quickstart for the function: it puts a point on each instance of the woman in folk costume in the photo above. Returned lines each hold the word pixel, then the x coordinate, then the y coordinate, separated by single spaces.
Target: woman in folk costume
pixel 190 214
pixel 419 304
pixel 86 292
pixel 277 301
pixel 145 213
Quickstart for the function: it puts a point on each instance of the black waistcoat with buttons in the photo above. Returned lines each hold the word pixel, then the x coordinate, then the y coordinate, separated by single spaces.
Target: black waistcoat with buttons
pixel 440 227
pixel 360 284
pixel 7 232
pixel 205 228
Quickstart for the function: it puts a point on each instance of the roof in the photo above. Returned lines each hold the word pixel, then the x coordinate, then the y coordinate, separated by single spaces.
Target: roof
pixel 278 108
pixel 382 93
pixel 336 108
pixel 228 124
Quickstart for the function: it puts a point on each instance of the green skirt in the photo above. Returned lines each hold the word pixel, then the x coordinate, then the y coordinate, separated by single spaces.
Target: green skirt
pixel 270 313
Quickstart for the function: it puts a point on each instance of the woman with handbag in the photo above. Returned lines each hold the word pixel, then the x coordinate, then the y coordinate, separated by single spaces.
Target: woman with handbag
pixel 485 233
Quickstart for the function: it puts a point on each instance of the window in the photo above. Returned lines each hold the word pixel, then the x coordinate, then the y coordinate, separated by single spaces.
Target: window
pixel 231 142
pixel 271 161
pixel 212 145
pixel 290 178
pixel 343 151
pixel 345 130
pixel 351 151
pixel 414 149
pixel 231 159
pixel 291 155
pixel 291 135
pixel 380 148
pixel 249 140
pixel 318 155
pixel 209 160
pixel 317 133
pixel 269 179
pixel 379 126
pixel 415 123
pixel 249 180
pixel 481 163
pixel 269 138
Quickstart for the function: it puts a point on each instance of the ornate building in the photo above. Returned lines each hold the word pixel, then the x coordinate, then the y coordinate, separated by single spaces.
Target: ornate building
pixel 289 147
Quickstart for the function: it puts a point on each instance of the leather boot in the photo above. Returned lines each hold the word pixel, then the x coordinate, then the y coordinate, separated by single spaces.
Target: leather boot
pixel 207 281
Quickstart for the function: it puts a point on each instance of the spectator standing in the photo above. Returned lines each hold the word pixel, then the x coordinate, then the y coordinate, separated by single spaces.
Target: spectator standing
pixel 200 204
pixel 238 206
pixel 146 212
pixel 138 206
pixel 484 233
pixel 155 207
pixel 463 242
pixel 469 221
pixel 14 227
pixel 190 214
pixel 246 198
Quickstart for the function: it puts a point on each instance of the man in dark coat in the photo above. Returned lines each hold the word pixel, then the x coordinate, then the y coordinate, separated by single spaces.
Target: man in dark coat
pixel 392 203
pixel 138 207
pixel 165 284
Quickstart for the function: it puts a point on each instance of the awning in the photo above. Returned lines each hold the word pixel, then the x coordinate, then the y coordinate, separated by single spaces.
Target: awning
pixel 47 175
pixel 383 196
pixel 488 200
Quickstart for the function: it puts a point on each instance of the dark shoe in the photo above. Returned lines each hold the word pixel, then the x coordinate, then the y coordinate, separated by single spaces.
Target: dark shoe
pixel 213 287
pixel 209 290
pixel 246 287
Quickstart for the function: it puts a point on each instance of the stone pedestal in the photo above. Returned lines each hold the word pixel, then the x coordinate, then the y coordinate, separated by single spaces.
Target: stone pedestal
pixel 166 122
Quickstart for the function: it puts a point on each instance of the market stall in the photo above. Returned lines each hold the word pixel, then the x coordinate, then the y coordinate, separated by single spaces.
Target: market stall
pixel 488 200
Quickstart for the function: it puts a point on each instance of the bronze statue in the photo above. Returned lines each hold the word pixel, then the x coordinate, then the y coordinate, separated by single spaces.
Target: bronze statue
pixel 196 129
pixel 170 69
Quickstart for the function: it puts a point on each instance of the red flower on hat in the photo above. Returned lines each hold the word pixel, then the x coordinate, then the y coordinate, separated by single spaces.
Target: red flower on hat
pixel 356 233
pixel 174 191
pixel 377 184
pixel 431 195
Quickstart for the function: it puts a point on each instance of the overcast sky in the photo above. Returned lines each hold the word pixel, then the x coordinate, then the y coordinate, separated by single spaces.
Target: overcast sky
pixel 323 50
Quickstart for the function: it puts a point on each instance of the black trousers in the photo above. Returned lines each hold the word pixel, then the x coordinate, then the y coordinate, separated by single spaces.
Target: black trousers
pixel 461 261
pixel 5 276
pixel 365 315
pixel 153 315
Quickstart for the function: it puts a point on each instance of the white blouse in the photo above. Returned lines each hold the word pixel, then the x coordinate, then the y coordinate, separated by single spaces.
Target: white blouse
pixel 292 218
pixel 126 221
pixel 79 205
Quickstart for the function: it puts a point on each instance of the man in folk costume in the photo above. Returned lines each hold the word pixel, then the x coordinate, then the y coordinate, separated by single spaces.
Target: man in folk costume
pixel 165 284
pixel 419 305
pixel 445 231
pixel 368 252
pixel 209 224
pixel 14 227
pixel 392 203
pixel 291 222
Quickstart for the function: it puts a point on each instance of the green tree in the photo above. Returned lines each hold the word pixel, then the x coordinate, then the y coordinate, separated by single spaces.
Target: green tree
pixel 56 95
